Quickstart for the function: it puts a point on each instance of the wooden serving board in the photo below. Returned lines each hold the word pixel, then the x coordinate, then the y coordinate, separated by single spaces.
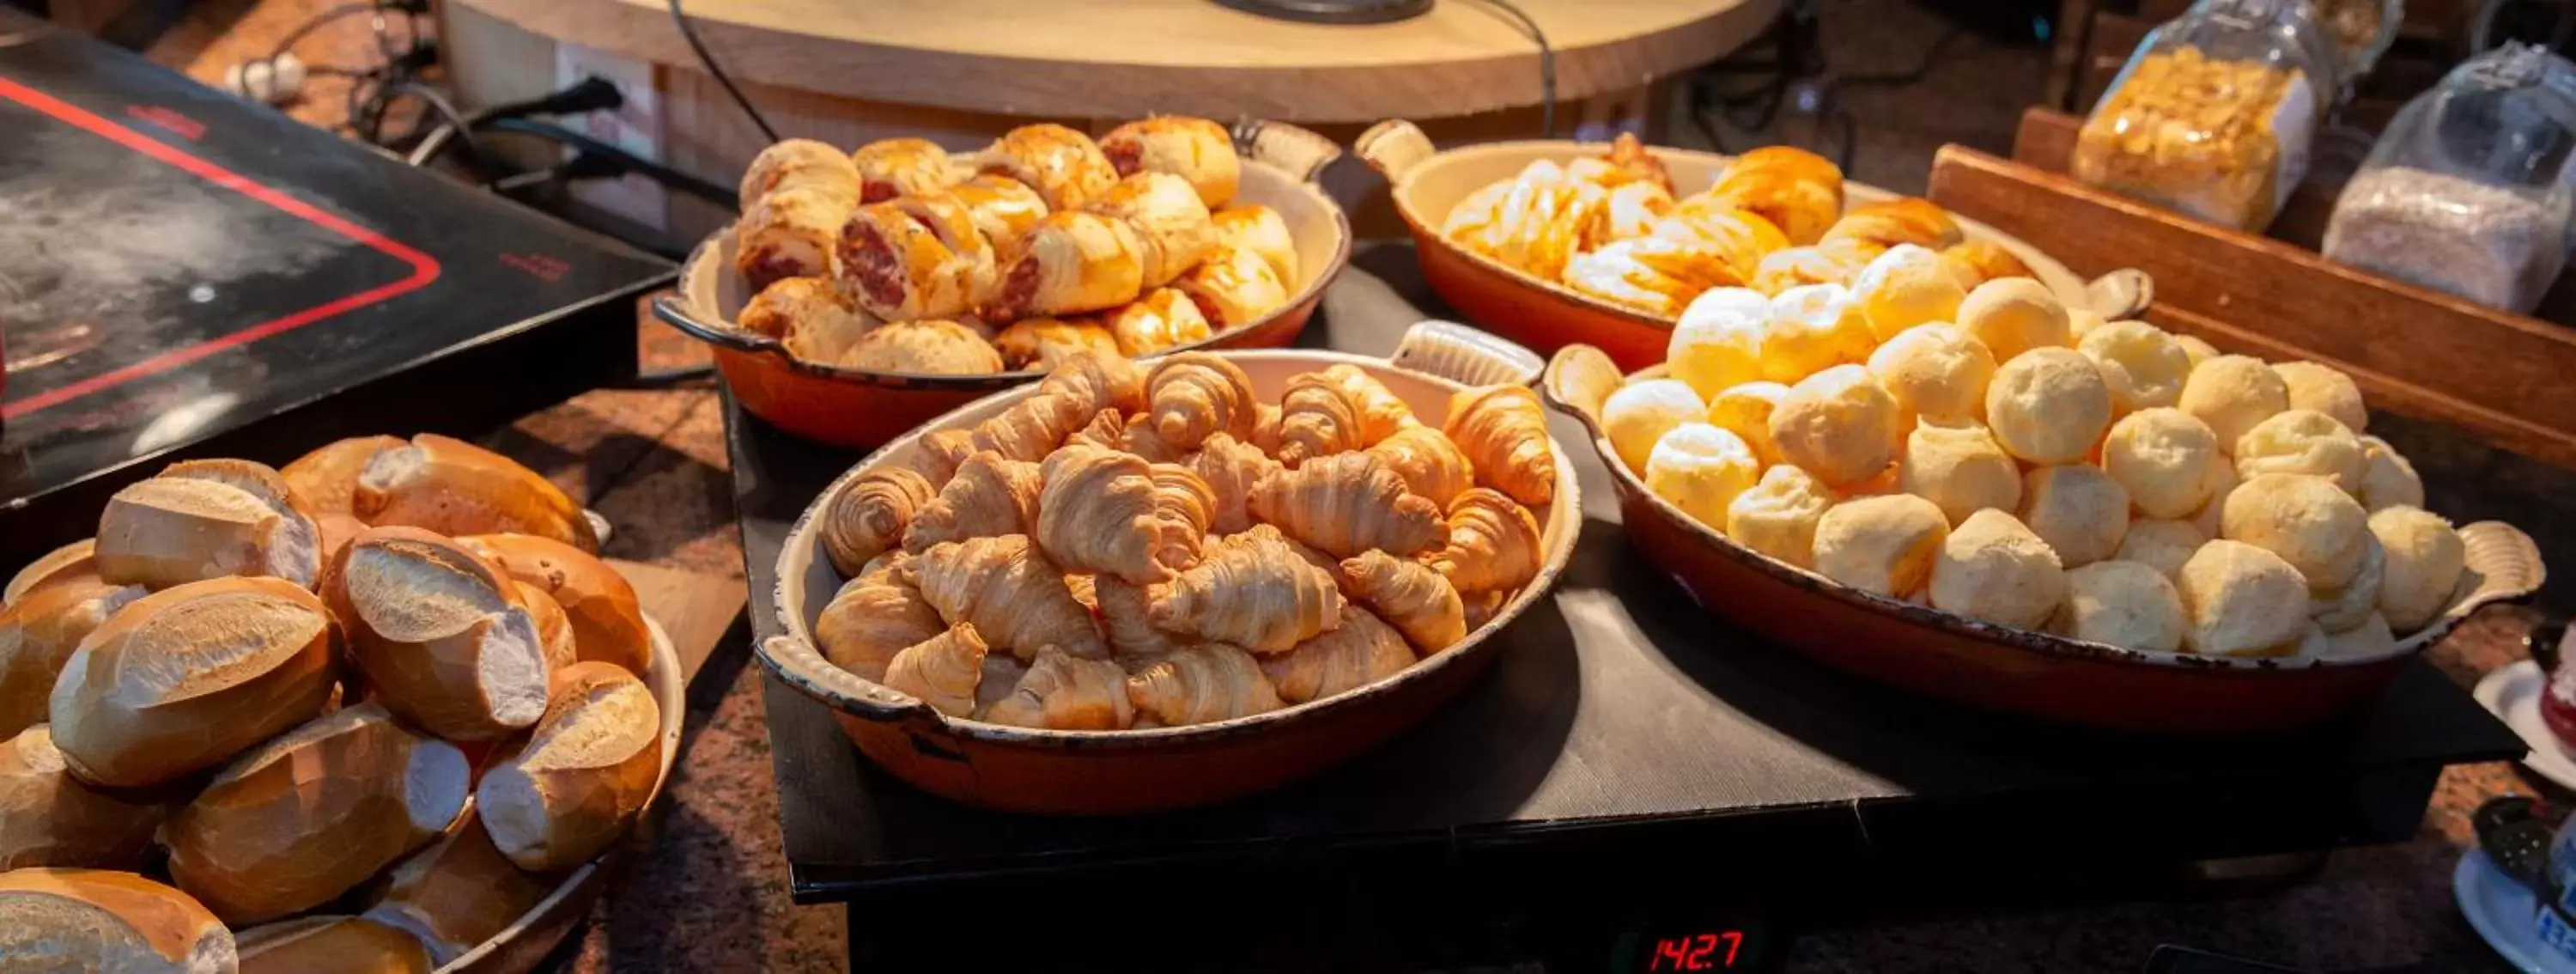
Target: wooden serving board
pixel 695 609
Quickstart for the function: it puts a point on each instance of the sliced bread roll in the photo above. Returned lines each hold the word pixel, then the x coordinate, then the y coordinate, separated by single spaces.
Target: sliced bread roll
pixel 607 624
pixel 440 634
pixel 310 815
pixel 206 519
pixel 457 893
pixel 453 487
pixel 330 945
pixel 71 561
pixel 554 631
pixel 183 679
pixel 49 818
pixel 96 920
pixel 583 776
pixel 37 636
pixel 327 478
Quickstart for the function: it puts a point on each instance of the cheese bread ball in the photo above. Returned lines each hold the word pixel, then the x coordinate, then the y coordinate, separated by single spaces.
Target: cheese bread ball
pixel 2199 349
pixel 1813 328
pixel 2425 561
pixel 2232 393
pixel 2162 456
pixel 1993 568
pixel 2125 604
pixel 2222 482
pixel 1904 287
pixel 2242 601
pixel 1838 424
pixel 1959 468
pixel 2387 478
pixel 2143 366
pixel 1700 469
pixel 2160 544
pixel 2345 606
pixel 2080 511
pixel 1778 516
pixel 1745 411
pixel 2302 441
pixel 2325 390
pixel 1716 349
pixel 1935 372
pixel 1885 483
pixel 2048 405
pixel 1640 413
pixel 2307 521
pixel 2013 315
pixel 2313 642
pixel 1881 544
pixel 2369 640
pixel 2081 322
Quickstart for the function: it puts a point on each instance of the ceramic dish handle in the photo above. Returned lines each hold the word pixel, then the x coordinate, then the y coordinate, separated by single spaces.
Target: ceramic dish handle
pixel 1393 147
pixel 675 313
pixel 2121 294
pixel 1579 379
pixel 1296 151
pixel 1464 355
pixel 796 661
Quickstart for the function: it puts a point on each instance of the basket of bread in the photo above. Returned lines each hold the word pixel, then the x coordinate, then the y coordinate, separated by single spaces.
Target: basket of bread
pixel 384 709
pixel 863 292
pixel 1989 498
pixel 1148 585
pixel 1556 242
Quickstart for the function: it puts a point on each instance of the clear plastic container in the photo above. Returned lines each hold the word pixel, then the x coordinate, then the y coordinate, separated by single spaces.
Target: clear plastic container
pixel 2215 111
pixel 2361 31
pixel 2466 192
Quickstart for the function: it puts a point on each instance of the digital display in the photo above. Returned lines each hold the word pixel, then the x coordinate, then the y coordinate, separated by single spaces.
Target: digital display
pixel 1697 952
pixel 1704 947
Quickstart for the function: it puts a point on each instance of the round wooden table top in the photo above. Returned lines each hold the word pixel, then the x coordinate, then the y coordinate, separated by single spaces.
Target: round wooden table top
pixel 1120 58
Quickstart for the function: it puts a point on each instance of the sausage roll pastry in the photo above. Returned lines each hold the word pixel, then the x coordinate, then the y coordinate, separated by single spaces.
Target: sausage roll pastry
pixel 1259 229
pixel 1164 318
pixel 901 167
pixel 1170 223
pixel 1657 275
pixel 915 257
pixel 1194 149
pixel 1742 237
pixel 1069 263
pixel 1903 220
pixel 932 346
pixel 1064 166
pixel 1828 262
pixel 810 316
pixel 790 233
pixel 800 164
pixel 1044 343
pixel 1233 288
pixel 1798 191
pixel 1004 208
pixel 1975 262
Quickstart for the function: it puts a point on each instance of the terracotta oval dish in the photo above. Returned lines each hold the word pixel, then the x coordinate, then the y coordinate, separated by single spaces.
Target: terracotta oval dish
pixel 1129 771
pixel 1545 315
pixel 1924 650
pixel 860 407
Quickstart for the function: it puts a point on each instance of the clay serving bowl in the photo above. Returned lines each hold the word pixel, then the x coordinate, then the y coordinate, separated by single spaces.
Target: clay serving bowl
pixel 1112 772
pixel 1545 315
pixel 1928 651
pixel 863 407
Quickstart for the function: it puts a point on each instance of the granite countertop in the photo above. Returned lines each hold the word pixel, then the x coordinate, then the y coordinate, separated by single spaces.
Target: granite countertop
pixel 710 893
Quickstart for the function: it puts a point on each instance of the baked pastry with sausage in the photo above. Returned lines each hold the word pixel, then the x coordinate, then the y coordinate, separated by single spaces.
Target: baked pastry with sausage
pixel 1194 149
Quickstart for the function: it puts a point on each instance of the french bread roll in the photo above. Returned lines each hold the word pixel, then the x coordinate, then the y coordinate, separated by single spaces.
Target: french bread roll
pixel 185 678
pixel 607 622
pixel 202 519
pixel 327 478
pixel 554 631
pixel 38 635
pixel 310 815
pixel 582 777
pixel 62 564
pixel 49 818
pixel 457 893
pixel 330 945
pixel 439 633
pixel 453 488
pixel 97 920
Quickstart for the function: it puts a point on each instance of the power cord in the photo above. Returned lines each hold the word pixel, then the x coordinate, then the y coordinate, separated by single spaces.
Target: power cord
pixel 1546 64
pixel 689 32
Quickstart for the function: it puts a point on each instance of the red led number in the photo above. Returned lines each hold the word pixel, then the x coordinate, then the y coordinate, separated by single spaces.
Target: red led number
pixel 1692 953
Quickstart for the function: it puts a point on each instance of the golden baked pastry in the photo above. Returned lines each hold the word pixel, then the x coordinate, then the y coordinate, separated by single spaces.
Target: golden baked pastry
pixel 2014 315
pixel 1778 516
pixel 790 233
pixel 1905 287
pixel 1204 684
pixel 1098 513
pixel 1193 394
pixel 1194 149
pixel 1812 329
pixel 869 516
pixel 1828 262
pixel 2198 348
pixel 1535 222
pixel 2315 527
pixel 1503 432
pixel 1345 504
pixel 916 257
pixel 2425 561
pixel 1903 220
pixel 1413 597
pixel 2123 603
pixel 2162 457
pixel 1253 592
pixel 1838 425
pixel 1337 410
pixel 1002 208
pixel 1066 168
pixel 1430 465
pixel 1936 373
pixel 1360 651
pixel 944 670
pixel 2080 511
pixel 1975 262
pixel 1062 691
pixel 1959 468
pixel 2242 601
pixel 1638 414
pixel 2144 367
pixel 1014 597
pixel 2048 406
pixel 1700 468
pixel 1173 227
pixel 1633 209
pixel 888 168
pixel 1493 543
pixel 1993 568
pixel 1655 275
pixel 1259 230
pixel 2232 393
pixel 801 164
pixel 1883 544
pixel 1069 263
pixel 1745 411
pixel 2161 544
pixel 1044 343
pixel 2302 441
pixel 808 315
pixel 1163 318
pixel 1738 238
pixel 2387 478
pixel 1233 288
pixel 2325 390
pixel 1718 343
pixel 1798 191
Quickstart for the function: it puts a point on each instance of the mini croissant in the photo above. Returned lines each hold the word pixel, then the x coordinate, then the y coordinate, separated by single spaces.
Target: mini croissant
pixel 1098 513
pixel 1251 592
pixel 874 617
pixel 1380 410
pixel 1187 507
pixel 943 670
pixel 1345 504
pixel 1014 597
pixel 1265 428
pixel 1430 465
pixel 1125 614
pixel 942 452
pixel 1202 685
pixel 1416 599
pixel 1230 467
pixel 870 516
pixel 1316 418
pixel 1092 381
pixel 1360 651
pixel 1065 692
pixel 1504 435
pixel 988 496
pixel 1106 430
pixel 1493 543
pixel 1193 394
pixel 1030 429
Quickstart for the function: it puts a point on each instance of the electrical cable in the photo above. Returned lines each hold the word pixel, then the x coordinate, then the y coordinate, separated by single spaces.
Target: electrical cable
pixel 1546 65
pixel 706 59
pixel 629 162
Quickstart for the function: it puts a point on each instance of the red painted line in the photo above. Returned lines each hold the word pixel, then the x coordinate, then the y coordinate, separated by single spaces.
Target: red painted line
pixel 424 268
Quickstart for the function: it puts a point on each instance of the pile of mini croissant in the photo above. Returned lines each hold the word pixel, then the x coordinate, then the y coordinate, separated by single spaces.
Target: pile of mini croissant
pixel 1130 548
pixel 902 256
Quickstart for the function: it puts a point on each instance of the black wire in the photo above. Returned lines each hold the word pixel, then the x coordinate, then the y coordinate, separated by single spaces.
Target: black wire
pixel 689 32
pixel 1546 65
pixel 667 176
